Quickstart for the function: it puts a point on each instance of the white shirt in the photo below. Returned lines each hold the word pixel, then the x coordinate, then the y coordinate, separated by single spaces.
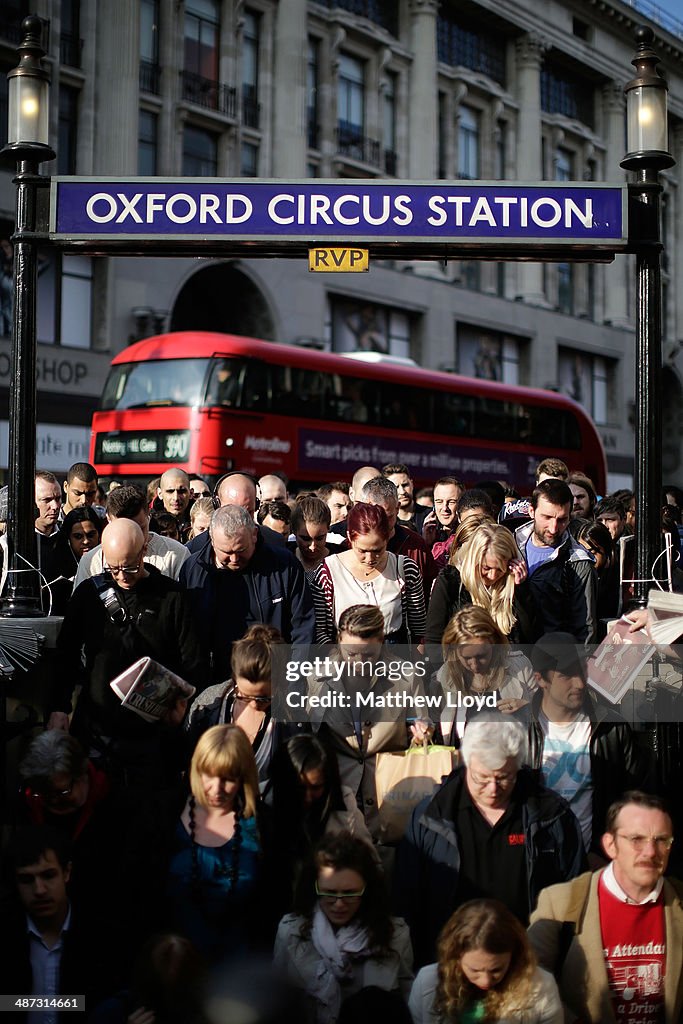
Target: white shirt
pixel 45 964
pixel 164 553
pixel 566 766
pixel 613 886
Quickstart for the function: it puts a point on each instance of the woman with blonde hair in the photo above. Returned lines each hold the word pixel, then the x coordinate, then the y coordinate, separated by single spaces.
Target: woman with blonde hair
pixel 200 516
pixel 478 661
pixel 489 572
pixel 215 858
pixel 486 972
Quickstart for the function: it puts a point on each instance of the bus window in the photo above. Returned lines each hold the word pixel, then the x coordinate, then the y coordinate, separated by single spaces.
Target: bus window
pixel 298 392
pixel 255 386
pixel 225 382
pixel 556 428
pixel 454 414
pixel 161 382
pixel 403 407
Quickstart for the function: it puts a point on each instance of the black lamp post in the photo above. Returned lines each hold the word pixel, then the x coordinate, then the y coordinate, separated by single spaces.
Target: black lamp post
pixel 647 144
pixel 27 147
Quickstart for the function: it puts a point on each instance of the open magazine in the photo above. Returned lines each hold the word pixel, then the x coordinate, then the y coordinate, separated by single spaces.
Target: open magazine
pixel 149 689
pixel 617 661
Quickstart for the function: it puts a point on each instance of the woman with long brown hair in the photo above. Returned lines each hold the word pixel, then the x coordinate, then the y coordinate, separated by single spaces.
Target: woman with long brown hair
pixel 478 661
pixel 486 973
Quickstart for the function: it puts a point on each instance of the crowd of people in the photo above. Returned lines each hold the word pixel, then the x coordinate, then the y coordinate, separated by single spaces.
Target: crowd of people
pixel 196 856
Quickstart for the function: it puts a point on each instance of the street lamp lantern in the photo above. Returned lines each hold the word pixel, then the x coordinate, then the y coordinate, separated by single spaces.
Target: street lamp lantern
pixel 27 147
pixel 29 98
pixel 647 138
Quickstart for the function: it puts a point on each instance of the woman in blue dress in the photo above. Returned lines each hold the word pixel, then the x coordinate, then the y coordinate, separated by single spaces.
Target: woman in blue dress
pixel 216 861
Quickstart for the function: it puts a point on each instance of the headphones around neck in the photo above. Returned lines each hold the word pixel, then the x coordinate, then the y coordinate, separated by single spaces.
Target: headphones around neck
pixel 226 476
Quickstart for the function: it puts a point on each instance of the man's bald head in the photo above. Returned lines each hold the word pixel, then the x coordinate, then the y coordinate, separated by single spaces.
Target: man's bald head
pixel 238 489
pixel 360 478
pixel 272 488
pixel 174 491
pixel 123 543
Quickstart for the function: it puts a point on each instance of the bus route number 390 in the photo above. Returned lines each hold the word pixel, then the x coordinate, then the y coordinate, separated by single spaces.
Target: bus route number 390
pixel 177 446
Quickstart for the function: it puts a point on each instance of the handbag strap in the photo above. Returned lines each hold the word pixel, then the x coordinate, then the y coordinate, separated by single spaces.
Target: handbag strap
pixel 116 611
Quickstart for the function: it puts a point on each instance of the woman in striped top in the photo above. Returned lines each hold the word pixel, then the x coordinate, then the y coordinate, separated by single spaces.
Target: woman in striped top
pixel 369 574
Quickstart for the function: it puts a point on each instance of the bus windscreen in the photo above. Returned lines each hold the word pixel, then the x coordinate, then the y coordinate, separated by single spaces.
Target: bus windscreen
pixel 157 383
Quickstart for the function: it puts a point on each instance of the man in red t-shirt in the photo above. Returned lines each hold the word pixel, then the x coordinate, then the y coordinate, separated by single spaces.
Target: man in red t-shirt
pixel 614 938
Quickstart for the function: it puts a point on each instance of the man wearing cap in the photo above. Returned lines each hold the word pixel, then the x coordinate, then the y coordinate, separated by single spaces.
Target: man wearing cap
pixel 584 750
pixel 614 938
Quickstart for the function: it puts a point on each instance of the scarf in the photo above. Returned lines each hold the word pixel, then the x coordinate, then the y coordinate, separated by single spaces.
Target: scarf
pixel 337 951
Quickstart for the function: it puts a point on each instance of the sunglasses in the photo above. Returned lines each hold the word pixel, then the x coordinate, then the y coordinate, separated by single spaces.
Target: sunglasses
pixel 259 701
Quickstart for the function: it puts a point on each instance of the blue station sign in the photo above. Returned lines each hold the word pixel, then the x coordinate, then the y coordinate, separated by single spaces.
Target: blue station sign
pixel 277 213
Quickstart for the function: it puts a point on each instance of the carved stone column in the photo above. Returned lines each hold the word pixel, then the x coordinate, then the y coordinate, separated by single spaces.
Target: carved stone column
pixel 423 101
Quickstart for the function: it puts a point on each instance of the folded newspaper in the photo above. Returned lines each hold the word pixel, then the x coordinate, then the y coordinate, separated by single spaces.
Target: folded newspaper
pixel 150 690
pixel 617 661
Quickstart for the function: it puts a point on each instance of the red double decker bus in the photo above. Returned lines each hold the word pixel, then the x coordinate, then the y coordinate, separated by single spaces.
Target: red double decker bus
pixel 210 403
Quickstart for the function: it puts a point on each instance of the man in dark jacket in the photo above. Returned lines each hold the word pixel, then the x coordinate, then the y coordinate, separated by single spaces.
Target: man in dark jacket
pixel 236 580
pixel 127 612
pixel 585 751
pixel 562 576
pixel 53 948
pixel 491 830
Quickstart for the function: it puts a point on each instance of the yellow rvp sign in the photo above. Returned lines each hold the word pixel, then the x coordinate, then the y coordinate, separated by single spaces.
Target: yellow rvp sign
pixel 353 261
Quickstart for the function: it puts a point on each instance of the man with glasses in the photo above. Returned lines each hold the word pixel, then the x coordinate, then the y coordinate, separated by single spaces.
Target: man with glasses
pixel 614 937
pixel 129 611
pixel 164 553
pixel 490 831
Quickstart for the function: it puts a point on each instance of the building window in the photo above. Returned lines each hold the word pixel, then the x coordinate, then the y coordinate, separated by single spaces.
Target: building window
pixel 75 319
pixel 443 137
pixel 149 46
pixel 64 300
pixel 564 171
pixel 202 21
pixel 368 327
pixel 351 103
pixel 69 36
pixel 68 130
pixel 312 82
pixel 250 51
pixel 147 143
pixel 501 150
pixel 471 48
pixel 489 355
pixel 249 166
pixel 200 153
pixel 563 94
pixel 586 379
pixel 389 125
pixel 468 143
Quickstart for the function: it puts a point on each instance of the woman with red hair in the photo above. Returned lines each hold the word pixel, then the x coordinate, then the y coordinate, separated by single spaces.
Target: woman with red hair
pixel 369 574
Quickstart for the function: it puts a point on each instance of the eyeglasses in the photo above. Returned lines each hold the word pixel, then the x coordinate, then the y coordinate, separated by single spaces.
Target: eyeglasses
pixel 122 570
pixel 500 781
pixel 640 842
pixel 332 897
pixel 253 700
pixel 48 794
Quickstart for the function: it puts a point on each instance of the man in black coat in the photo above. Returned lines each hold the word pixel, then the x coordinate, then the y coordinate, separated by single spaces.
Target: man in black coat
pixel 50 947
pixel 128 612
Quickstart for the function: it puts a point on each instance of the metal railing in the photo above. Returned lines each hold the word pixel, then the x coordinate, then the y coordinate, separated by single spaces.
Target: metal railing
pixel 351 143
pixel 209 94
pixel 150 77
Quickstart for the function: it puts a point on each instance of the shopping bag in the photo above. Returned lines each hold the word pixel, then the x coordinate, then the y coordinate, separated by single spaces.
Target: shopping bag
pixel 403 779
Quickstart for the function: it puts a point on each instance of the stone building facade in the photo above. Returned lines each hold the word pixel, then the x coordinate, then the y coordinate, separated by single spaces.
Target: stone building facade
pixel 483 89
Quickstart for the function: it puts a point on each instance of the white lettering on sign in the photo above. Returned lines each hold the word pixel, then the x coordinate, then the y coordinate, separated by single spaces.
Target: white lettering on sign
pixel 266 444
pixel 565 210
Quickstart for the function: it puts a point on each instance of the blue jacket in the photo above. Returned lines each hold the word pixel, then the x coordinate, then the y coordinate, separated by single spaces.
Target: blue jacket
pixel 271 590
pixel 428 859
